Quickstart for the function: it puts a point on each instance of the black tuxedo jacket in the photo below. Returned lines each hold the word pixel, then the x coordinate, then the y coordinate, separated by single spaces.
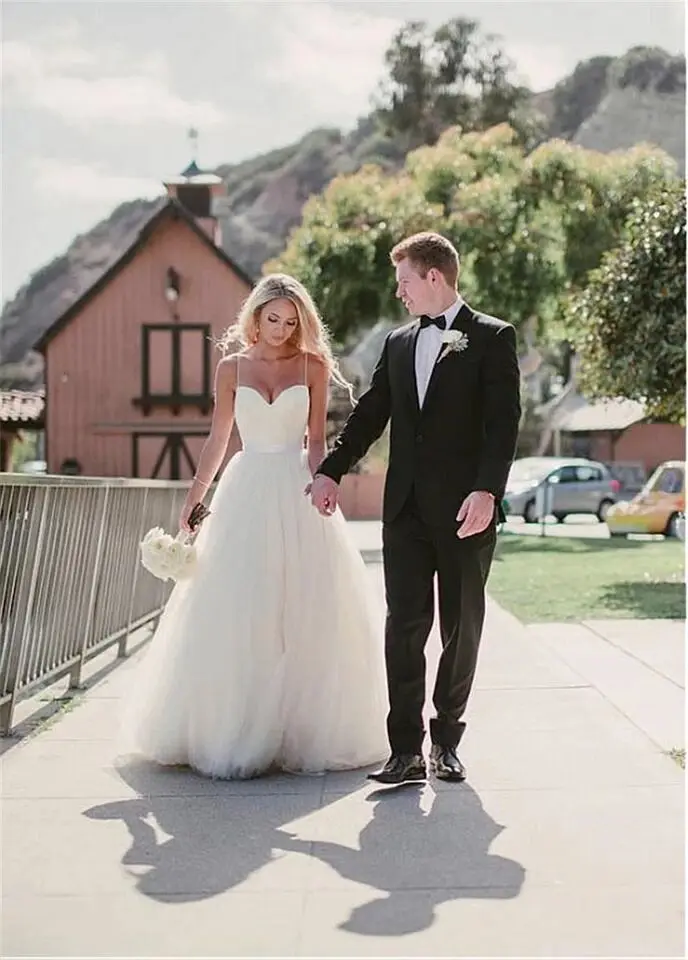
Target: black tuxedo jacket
pixel 463 438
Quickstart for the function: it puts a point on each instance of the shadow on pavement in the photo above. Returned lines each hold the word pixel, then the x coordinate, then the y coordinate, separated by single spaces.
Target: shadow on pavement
pixel 194 837
pixel 420 858
pixel 191 840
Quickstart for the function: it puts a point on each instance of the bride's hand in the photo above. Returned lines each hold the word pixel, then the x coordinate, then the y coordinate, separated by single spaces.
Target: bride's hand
pixel 324 494
pixel 184 516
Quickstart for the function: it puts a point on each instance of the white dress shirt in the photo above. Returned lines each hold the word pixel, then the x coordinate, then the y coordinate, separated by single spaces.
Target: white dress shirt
pixel 428 346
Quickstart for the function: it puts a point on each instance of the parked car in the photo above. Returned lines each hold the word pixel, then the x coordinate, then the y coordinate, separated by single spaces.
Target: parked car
pixel 32 466
pixel 576 485
pixel 658 508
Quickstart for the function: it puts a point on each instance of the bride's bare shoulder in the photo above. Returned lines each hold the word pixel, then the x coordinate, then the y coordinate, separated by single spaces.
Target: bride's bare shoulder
pixel 316 365
pixel 227 370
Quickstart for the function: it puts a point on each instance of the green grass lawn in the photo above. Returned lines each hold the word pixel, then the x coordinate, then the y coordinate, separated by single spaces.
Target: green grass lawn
pixel 557 578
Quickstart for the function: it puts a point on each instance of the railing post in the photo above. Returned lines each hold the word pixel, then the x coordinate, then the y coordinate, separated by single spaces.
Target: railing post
pixel 85 564
pixel 75 672
pixel 16 669
pixel 122 645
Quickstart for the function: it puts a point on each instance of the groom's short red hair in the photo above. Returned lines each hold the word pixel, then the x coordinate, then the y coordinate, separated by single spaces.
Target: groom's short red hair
pixel 427 250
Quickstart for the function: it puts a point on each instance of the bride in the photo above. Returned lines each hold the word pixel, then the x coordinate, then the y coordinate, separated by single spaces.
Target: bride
pixel 271 655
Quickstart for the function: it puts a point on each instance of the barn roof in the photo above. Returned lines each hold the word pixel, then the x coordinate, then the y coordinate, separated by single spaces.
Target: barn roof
pixel 167 209
pixel 22 406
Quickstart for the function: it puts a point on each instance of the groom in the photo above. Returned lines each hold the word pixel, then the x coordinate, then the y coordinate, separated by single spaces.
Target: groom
pixel 449 383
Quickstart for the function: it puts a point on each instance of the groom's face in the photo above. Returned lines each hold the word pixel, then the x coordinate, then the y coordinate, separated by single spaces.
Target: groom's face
pixel 415 291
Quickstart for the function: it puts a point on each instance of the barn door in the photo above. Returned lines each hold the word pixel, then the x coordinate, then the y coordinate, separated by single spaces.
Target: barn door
pixel 166 456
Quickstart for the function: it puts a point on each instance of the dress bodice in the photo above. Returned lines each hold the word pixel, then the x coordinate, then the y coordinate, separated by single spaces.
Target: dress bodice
pixel 274 427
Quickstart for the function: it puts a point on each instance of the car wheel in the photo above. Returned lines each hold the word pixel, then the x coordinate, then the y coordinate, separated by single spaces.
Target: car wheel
pixel 560 517
pixel 672 526
pixel 603 510
pixel 529 514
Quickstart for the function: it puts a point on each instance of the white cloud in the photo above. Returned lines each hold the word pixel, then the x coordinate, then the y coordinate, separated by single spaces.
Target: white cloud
pixel 539 65
pixel 84 86
pixel 331 56
pixel 81 183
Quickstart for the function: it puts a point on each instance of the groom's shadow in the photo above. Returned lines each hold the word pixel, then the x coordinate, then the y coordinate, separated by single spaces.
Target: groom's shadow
pixel 419 858
pixel 192 838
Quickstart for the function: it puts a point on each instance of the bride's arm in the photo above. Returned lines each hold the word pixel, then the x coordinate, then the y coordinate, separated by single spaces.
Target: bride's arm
pixel 215 446
pixel 318 382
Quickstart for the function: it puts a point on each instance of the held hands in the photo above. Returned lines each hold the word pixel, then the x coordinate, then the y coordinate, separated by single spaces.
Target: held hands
pixel 475 514
pixel 323 493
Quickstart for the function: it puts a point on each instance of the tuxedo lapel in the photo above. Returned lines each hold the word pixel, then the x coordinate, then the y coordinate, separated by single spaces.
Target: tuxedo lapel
pixel 410 363
pixel 461 321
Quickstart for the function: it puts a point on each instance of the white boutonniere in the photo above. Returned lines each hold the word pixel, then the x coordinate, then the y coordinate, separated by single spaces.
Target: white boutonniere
pixel 453 341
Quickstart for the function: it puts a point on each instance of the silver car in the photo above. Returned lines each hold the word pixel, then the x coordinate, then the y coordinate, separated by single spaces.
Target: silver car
pixel 571 485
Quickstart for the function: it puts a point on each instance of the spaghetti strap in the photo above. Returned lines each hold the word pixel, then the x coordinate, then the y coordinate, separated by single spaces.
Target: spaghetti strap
pixel 238 356
pixel 305 368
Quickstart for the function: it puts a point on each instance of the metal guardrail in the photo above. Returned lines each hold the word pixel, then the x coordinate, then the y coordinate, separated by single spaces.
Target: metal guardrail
pixel 71 584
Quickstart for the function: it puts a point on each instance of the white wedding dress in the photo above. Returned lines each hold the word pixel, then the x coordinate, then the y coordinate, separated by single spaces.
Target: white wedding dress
pixel 272 655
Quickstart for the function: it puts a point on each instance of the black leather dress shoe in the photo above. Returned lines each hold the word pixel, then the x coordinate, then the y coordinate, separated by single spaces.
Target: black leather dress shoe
pixel 445 763
pixel 401 768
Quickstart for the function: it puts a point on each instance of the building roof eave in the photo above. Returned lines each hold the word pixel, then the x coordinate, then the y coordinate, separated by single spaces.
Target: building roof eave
pixel 170 208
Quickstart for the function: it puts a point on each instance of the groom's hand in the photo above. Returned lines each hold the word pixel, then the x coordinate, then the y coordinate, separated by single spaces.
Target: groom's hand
pixel 475 514
pixel 323 492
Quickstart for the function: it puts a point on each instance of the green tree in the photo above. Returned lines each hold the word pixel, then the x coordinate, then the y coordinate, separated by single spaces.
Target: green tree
pixel 510 246
pixel 594 194
pixel 628 325
pixel 341 249
pixel 452 75
pixel 528 228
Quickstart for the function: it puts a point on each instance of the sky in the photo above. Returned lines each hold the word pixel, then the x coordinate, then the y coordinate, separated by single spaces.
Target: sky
pixel 98 95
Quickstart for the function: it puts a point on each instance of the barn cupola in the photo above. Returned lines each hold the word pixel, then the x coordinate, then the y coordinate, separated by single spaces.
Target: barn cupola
pixel 201 193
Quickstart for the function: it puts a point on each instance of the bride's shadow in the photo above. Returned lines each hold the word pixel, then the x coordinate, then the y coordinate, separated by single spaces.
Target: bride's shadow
pixel 419 858
pixel 192 838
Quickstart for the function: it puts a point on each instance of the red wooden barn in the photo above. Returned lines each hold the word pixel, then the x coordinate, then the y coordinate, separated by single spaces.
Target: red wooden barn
pixel 129 366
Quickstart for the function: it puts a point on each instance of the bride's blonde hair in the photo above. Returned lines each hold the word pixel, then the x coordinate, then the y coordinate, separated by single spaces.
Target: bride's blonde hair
pixel 310 336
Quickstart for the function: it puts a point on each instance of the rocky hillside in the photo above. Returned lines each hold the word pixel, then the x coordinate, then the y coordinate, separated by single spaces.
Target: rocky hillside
pixel 605 104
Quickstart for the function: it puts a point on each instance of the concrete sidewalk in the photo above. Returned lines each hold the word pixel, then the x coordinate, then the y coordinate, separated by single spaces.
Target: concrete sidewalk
pixel 567 839
pixel 638 665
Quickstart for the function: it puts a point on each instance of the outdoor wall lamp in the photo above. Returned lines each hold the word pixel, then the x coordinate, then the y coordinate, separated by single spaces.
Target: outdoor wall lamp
pixel 172 285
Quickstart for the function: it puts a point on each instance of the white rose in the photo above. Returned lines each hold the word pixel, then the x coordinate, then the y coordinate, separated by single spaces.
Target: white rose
pixel 154 534
pixel 167 557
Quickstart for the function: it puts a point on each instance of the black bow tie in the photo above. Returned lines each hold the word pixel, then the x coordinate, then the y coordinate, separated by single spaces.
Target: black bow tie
pixel 439 322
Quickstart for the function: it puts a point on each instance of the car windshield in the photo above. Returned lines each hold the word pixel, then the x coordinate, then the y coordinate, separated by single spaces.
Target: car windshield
pixel 665 480
pixel 526 470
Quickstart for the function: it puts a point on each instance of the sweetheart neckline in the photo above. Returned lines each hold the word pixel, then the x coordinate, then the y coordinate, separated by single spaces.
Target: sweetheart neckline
pixel 271 403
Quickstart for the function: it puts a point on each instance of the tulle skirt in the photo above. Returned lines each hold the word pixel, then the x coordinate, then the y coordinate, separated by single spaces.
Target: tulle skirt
pixel 272 655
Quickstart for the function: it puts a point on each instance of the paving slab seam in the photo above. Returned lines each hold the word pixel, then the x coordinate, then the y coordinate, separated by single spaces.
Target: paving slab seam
pixel 660 747
pixel 629 653
pixel 334 792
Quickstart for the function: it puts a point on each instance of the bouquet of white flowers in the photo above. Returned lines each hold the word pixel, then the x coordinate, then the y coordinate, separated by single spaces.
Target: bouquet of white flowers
pixel 167 557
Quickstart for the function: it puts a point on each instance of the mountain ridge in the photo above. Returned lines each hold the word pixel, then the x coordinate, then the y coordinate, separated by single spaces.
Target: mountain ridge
pixel 606 103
